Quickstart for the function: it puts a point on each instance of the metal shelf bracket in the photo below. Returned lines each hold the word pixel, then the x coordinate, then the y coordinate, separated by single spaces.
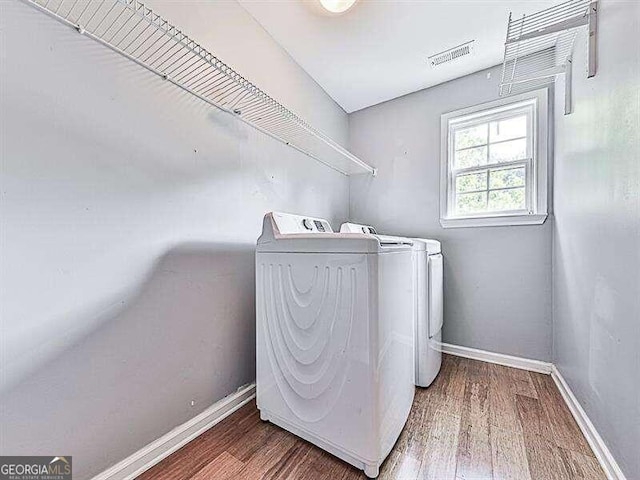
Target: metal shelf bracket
pixel 593 39
pixel 568 98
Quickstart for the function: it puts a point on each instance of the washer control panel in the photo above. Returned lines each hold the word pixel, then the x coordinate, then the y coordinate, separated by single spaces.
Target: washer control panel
pixel 288 223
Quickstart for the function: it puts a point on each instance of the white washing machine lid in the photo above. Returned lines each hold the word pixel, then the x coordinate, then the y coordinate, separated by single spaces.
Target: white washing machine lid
pixel 391 240
pixel 283 232
pixel 432 247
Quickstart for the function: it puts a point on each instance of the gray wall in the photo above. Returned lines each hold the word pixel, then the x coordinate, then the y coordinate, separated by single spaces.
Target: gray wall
pixel 129 214
pixel 596 254
pixel 497 279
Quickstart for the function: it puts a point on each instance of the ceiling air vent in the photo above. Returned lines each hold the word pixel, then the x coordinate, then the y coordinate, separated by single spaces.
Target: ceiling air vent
pixel 452 54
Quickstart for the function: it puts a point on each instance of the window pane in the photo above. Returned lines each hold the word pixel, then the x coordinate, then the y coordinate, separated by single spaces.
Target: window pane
pixel 507 151
pixel 471 203
pixel 471 137
pixel 471 181
pixel 508 128
pixel 471 157
pixel 507 177
pixel 512 199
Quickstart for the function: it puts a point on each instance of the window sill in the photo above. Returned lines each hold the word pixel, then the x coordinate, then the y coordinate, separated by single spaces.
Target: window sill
pixel 497 221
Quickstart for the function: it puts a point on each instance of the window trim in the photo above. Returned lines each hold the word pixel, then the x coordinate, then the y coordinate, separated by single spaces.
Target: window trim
pixel 537 212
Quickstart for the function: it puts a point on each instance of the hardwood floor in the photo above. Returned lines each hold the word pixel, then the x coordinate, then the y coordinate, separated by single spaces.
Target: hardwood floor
pixel 477 421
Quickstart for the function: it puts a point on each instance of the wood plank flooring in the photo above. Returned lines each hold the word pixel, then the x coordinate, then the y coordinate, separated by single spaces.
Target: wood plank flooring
pixel 477 421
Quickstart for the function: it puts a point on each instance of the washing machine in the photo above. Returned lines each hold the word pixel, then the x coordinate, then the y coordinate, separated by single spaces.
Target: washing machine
pixel 428 278
pixel 334 336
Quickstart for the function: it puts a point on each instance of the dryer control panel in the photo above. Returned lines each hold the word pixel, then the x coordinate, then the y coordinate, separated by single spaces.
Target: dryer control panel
pixel 357 228
pixel 288 223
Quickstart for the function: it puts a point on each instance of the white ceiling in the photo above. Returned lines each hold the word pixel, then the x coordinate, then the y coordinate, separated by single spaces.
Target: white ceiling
pixel 378 50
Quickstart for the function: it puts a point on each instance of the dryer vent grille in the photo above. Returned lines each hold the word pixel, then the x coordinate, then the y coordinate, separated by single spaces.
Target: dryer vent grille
pixel 452 54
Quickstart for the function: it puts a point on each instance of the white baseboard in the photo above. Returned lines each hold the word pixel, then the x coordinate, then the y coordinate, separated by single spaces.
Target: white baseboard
pixel 600 450
pixel 153 453
pixel 498 358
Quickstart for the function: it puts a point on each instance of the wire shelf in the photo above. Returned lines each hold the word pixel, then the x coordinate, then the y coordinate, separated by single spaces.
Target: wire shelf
pixel 538 47
pixel 135 31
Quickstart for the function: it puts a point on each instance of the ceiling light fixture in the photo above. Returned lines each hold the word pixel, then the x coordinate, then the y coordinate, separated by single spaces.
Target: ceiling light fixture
pixel 337 6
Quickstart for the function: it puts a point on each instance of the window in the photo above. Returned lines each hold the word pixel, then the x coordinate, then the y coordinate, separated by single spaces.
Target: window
pixel 494 163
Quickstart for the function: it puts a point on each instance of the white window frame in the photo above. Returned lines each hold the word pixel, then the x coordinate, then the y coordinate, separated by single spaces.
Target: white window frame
pixel 536 165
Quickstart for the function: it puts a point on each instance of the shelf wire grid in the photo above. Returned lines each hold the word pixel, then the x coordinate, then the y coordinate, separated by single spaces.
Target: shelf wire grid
pixel 135 31
pixel 538 46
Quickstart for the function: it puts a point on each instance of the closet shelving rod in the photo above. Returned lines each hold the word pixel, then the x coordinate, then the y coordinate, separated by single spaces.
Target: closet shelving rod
pixel 134 31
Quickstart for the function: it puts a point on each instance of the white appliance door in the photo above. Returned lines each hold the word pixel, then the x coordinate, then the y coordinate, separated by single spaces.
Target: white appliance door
pixel 435 294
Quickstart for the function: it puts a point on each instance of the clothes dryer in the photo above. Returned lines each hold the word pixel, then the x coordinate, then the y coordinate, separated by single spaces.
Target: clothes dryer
pixel 428 282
